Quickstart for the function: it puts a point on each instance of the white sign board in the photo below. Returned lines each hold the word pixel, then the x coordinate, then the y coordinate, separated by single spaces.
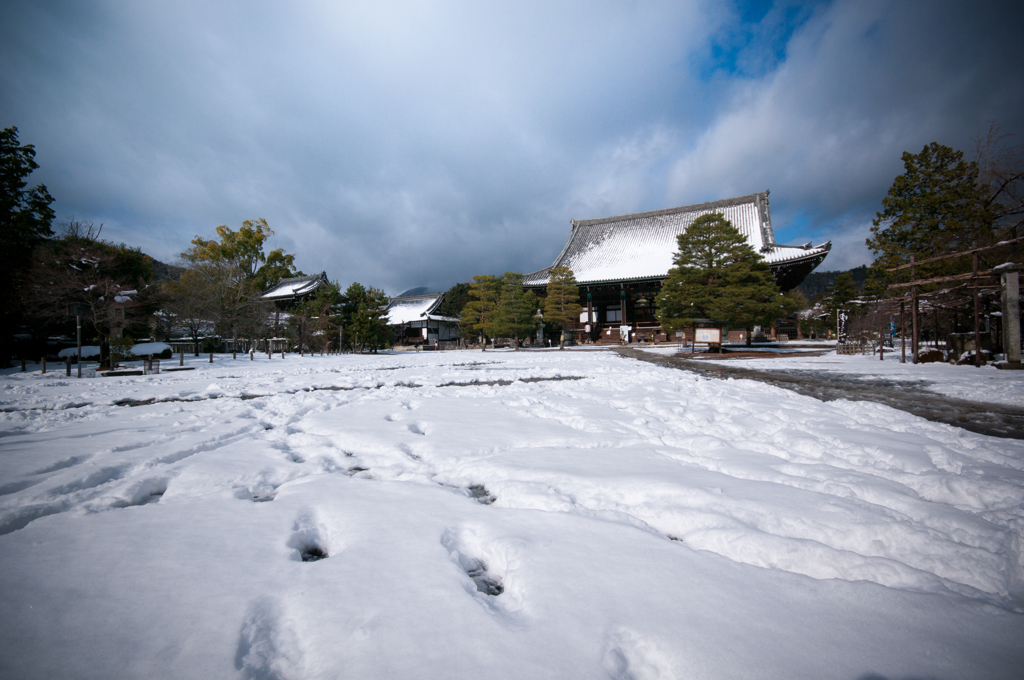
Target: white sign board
pixel 712 335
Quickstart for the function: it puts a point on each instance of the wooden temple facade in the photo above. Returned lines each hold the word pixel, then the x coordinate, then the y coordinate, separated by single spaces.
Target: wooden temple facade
pixel 620 262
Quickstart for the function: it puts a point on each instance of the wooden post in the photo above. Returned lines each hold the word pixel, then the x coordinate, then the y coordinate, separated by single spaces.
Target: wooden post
pixel 42 365
pixel 211 357
pixel 881 336
pixel 233 353
pixel 977 311
pixel 1010 279
pixel 181 358
pixel 23 365
pixel 67 367
pixel 913 310
pixel 78 331
pixel 903 332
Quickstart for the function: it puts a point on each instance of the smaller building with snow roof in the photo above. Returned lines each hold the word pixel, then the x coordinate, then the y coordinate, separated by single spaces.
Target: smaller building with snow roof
pixel 415 320
pixel 293 291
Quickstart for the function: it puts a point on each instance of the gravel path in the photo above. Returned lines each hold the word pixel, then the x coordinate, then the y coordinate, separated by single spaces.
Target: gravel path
pixel 996 420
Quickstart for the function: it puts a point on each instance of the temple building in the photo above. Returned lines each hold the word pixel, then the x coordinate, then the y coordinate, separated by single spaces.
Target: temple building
pixel 414 320
pixel 290 292
pixel 621 262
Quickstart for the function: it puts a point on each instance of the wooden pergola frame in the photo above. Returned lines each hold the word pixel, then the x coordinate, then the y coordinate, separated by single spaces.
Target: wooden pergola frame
pixel 975 276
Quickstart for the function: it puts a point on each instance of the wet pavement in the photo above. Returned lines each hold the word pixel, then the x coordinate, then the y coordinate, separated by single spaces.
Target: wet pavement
pixel 996 420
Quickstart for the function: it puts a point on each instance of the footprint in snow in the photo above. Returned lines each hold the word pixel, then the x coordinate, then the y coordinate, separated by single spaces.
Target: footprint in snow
pixel 260 492
pixel 486 568
pixel 63 464
pixel 91 481
pixel 630 656
pixel 267 648
pixel 145 492
pixel 15 487
pixel 309 540
pixel 480 494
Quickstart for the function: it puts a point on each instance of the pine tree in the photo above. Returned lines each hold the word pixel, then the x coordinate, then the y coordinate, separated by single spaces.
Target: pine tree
pixel 718 275
pixel 364 318
pixel 516 309
pixel 935 207
pixel 311 325
pixel 562 305
pixel 478 313
pixel 25 218
pixel 455 299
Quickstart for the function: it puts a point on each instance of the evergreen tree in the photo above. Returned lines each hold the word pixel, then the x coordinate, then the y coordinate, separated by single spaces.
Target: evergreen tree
pixel 364 317
pixel 562 305
pixel 312 324
pixel 935 207
pixel 455 300
pixel 25 218
pixel 514 317
pixel 718 275
pixel 478 313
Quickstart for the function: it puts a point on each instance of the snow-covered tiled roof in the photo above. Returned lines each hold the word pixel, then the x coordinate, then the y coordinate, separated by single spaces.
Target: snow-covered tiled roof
pixel 641 246
pixel 294 287
pixel 413 308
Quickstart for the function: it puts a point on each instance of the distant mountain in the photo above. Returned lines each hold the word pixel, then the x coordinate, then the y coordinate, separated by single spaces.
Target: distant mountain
pixel 166 272
pixel 422 290
pixel 817 283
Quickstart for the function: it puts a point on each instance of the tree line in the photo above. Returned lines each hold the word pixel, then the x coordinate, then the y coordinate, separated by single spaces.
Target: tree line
pixel 942 202
pixel 218 294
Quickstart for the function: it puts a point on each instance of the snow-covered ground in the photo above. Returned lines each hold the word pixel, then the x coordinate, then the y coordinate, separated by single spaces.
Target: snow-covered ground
pixel 583 515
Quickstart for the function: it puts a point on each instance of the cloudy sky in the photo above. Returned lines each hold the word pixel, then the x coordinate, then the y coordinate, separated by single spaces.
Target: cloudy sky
pixel 405 144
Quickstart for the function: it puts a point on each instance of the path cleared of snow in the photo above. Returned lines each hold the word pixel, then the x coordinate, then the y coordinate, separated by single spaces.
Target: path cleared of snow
pixel 984 384
pixel 499 514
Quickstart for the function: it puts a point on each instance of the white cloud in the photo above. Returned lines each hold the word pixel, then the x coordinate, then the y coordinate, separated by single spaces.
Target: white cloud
pixel 861 83
pixel 409 143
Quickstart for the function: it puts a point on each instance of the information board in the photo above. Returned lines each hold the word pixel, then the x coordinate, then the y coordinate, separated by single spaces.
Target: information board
pixel 711 335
